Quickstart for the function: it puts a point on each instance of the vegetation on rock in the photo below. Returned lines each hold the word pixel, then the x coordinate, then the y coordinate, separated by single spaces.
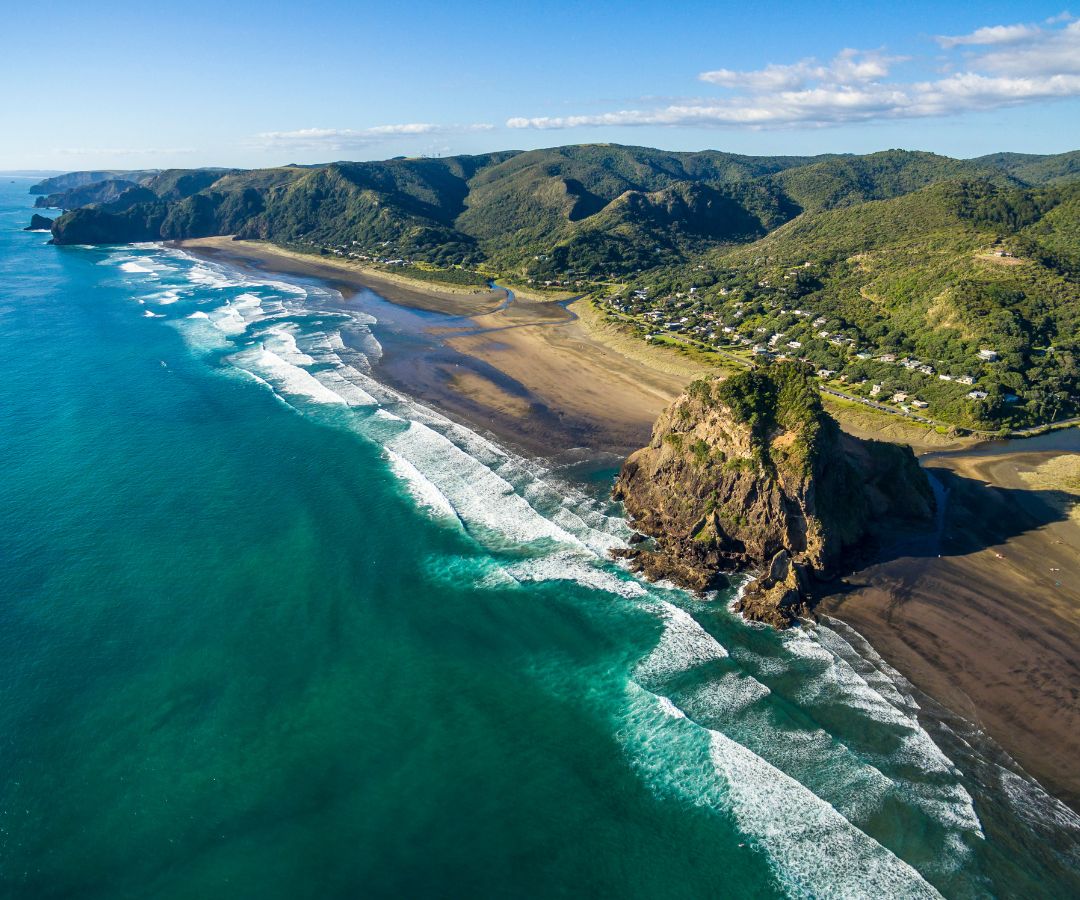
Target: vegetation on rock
pixel 741 470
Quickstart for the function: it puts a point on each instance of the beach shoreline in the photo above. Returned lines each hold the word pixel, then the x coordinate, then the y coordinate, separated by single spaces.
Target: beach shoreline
pixel 985 616
pixel 541 375
pixel 980 628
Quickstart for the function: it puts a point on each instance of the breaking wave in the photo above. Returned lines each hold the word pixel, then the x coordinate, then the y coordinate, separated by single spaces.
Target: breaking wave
pixel 809 742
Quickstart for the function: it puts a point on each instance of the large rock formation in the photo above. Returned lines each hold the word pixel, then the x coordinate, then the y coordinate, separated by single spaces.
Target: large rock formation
pixel 752 472
pixel 85 195
pixel 39 223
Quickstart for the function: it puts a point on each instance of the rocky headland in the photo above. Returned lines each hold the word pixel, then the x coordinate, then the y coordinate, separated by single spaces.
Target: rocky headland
pixel 39 223
pixel 751 474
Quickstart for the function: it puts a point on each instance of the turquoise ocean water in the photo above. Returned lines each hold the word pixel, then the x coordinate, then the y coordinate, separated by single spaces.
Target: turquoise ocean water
pixel 269 629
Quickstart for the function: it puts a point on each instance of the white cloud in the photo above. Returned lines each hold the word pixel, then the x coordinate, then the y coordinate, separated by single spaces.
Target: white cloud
pixel 848 66
pixel 993 34
pixel 348 138
pixel 1015 64
pixel 1053 52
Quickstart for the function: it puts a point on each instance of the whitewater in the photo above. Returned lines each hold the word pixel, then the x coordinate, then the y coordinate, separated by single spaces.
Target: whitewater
pixel 803 762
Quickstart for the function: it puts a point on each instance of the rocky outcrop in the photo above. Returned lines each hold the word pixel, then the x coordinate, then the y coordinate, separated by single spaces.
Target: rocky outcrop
pixel 99 192
pixel 751 472
pixel 39 223
pixel 69 180
pixel 778 597
pixel 136 215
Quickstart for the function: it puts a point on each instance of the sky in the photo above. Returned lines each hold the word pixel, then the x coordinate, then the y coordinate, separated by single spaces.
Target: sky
pixel 260 83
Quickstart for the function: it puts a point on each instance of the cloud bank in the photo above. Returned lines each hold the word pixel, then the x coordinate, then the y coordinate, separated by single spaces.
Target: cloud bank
pixel 991 68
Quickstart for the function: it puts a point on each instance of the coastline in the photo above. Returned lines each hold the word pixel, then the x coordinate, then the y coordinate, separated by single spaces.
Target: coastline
pixel 346 277
pixel 968 627
pixel 985 616
pixel 541 375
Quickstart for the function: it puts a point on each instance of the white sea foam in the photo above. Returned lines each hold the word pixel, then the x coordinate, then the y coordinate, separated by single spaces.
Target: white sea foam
pixel 135 267
pixel 683 645
pixel 816 851
pixel 281 340
pixel 938 791
pixel 482 499
pixel 234 317
pixel 206 276
pixel 336 381
pixel 284 376
pixel 150 314
pixel 422 490
pixel 581 569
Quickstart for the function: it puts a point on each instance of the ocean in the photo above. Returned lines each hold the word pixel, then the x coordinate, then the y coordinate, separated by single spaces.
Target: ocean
pixel 269 628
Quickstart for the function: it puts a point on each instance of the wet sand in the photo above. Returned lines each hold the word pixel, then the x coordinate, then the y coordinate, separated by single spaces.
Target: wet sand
pixel 345 276
pixel 985 617
pixel 537 374
pixel 990 627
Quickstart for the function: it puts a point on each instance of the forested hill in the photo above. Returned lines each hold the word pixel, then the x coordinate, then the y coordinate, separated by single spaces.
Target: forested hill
pixel 899 253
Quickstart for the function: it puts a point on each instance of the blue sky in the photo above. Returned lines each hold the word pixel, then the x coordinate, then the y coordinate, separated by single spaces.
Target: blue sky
pixel 242 83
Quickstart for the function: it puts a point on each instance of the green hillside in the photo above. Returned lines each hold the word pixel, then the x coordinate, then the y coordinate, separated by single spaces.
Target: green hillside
pixel 931 278
pixel 839 260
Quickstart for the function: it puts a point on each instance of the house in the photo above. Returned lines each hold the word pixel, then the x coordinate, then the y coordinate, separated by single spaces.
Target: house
pixel 826 373
pixel 966 379
pixel 977 395
pixel 875 390
pixel 794 345
pixel 887 358
pixel 944 377
pixel 919 404
pixel 926 370
pixel 988 355
pixel 899 397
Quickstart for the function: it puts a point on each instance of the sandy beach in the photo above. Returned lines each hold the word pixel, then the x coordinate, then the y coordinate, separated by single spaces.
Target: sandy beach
pixel 984 617
pixel 541 375
pixel 346 276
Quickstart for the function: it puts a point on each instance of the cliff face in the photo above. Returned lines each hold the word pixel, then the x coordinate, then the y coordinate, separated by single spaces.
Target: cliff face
pixel 751 472
pixel 39 223
pixel 98 192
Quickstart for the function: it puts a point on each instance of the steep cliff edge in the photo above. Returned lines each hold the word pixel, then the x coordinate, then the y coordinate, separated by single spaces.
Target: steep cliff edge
pixel 39 223
pixel 751 472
